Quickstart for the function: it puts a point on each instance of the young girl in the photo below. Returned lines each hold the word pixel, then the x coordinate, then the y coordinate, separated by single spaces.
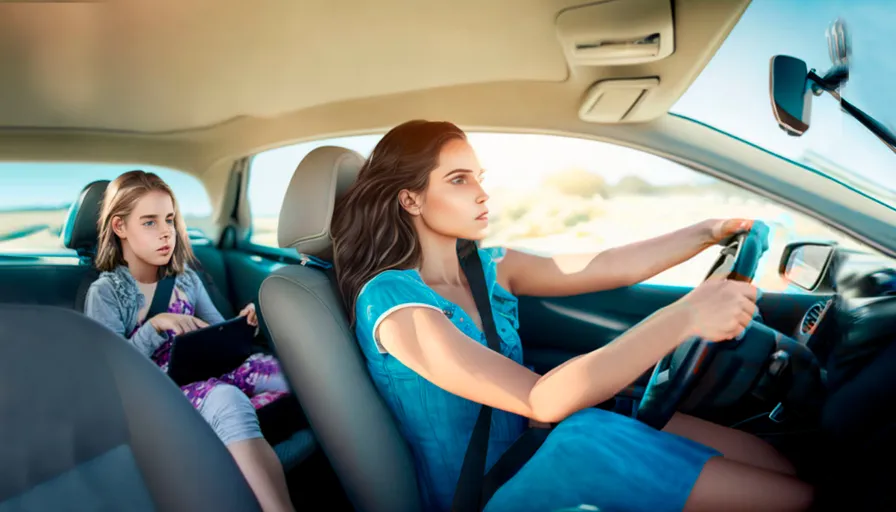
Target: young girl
pixel 420 331
pixel 142 238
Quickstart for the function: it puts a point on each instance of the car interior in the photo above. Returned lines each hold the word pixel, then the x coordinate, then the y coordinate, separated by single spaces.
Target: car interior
pixel 202 87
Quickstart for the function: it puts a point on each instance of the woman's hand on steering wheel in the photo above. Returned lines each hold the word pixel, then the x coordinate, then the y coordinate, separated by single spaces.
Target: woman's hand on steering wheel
pixel 719 230
pixel 719 309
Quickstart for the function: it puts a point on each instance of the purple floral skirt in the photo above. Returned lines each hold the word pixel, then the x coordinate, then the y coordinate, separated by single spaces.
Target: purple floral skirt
pixel 256 368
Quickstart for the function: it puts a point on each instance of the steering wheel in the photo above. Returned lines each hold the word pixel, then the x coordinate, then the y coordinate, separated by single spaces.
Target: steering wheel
pixel 677 373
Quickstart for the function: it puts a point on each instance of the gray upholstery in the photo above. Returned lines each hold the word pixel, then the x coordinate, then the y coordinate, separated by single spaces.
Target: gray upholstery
pixel 90 424
pixel 318 181
pixel 80 229
pixel 318 351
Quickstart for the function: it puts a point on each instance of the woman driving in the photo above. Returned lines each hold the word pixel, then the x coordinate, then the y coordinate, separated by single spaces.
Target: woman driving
pixel 395 235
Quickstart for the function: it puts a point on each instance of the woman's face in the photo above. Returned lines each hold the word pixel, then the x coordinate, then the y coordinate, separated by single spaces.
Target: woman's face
pixel 148 232
pixel 454 202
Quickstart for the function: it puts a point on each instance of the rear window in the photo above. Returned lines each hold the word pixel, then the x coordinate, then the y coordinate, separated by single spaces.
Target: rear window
pixel 35 199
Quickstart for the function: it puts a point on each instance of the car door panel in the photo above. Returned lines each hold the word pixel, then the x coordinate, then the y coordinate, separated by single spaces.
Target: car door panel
pixel 555 329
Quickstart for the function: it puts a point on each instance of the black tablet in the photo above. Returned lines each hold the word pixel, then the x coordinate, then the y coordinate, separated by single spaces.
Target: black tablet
pixel 210 352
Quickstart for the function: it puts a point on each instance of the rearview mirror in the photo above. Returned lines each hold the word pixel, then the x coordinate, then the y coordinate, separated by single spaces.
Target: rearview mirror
pixel 791 96
pixel 805 263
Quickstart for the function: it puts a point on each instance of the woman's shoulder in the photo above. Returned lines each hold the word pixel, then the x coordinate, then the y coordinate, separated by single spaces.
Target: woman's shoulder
pixel 392 289
pixel 395 285
pixel 388 278
pixel 493 254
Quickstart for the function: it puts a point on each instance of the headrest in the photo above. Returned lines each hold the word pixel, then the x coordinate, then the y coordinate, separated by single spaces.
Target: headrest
pixel 320 179
pixel 80 231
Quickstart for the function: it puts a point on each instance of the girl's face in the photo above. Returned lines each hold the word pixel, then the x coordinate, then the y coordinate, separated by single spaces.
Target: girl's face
pixel 454 202
pixel 148 233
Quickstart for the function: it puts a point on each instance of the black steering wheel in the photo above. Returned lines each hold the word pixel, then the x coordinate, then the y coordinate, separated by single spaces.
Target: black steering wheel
pixel 677 373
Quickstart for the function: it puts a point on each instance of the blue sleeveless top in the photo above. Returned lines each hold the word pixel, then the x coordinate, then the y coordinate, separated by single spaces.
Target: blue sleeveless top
pixel 437 424
pixel 593 457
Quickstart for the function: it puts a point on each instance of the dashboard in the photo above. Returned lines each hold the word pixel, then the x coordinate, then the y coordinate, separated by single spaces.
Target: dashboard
pixel 849 327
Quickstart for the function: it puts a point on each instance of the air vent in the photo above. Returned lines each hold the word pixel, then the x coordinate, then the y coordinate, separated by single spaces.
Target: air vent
pixel 811 318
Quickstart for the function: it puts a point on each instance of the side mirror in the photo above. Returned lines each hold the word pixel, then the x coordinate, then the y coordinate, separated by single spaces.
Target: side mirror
pixel 806 263
pixel 790 94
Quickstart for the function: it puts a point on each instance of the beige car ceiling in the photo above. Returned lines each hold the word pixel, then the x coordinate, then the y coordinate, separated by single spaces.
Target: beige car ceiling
pixel 190 83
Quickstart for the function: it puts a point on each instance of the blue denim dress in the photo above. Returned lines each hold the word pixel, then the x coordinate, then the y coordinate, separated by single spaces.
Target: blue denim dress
pixel 593 457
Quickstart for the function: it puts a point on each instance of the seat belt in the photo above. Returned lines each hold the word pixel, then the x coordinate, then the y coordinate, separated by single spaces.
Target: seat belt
pixel 469 491
pixel 162 297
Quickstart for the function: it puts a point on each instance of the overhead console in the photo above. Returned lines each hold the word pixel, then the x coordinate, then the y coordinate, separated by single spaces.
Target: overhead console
pixel 617 33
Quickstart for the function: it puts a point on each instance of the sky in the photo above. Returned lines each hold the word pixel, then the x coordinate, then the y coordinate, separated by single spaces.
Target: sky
pixel 731 94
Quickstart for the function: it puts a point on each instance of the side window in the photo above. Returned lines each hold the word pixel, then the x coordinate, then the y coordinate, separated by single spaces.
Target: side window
pixel 554 195
pixel 35 199
pixel 269 176
pixel 551 195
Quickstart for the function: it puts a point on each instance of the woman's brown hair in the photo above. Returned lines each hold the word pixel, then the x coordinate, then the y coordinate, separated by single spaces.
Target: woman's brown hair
pixel 371 232
pixel 119 200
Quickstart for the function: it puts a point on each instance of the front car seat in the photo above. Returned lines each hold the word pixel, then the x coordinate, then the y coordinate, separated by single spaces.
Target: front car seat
pixel 318 350
pixel 89 424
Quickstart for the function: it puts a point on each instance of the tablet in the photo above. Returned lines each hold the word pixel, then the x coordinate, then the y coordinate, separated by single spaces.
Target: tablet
pixel 211 351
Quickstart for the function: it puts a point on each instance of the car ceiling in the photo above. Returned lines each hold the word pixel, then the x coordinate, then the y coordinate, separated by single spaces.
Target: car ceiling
pixel 189 84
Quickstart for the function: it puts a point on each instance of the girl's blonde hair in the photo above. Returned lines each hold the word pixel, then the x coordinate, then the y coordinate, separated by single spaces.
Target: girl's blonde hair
pixel 119 200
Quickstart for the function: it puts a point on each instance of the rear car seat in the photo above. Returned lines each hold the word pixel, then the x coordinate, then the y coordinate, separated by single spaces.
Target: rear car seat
pixel 38 281
pixel 66 285
pixel 80 234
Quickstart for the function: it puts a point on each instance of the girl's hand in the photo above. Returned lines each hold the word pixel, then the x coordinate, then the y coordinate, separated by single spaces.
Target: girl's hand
pixel 249 313
pixel 180 324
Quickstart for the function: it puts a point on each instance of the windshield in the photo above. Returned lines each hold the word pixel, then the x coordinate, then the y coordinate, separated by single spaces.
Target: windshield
pixel 732 93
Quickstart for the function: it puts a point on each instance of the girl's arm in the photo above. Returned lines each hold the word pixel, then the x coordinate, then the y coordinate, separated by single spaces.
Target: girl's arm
pixel 205 308
pixel 102 305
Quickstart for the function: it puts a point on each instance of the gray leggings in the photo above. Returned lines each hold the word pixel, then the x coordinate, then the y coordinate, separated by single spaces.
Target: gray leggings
pixel 230 414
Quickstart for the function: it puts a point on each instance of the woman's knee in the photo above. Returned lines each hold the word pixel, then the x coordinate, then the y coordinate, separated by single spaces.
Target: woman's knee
pixel 735 445
pixel 230 414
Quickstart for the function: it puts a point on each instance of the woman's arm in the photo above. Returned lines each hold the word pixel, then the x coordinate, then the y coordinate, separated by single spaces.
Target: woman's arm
pixel 428 343
pixel 565 275
pixel 573 274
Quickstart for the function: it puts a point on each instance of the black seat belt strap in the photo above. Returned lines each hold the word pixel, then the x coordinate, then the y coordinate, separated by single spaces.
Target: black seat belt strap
pixel 469 491
pixel 162 297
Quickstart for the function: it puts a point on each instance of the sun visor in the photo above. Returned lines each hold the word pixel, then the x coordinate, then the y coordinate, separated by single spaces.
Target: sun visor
pixel 616 101
pixel 617 32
